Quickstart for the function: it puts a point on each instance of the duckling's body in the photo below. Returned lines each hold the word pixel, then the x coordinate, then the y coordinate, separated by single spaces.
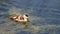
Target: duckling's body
pixel 20 19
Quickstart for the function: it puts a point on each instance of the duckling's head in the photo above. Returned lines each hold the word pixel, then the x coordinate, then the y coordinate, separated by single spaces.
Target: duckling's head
pixel 26 15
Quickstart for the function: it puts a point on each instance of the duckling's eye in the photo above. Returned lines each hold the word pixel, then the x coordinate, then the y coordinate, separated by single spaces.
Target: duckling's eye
pixel 27 15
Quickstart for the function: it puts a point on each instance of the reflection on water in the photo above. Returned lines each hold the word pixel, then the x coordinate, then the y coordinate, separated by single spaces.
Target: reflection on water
pixel 42 20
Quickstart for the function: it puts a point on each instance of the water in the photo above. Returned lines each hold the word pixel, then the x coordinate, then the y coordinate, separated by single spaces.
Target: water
pixel 44 16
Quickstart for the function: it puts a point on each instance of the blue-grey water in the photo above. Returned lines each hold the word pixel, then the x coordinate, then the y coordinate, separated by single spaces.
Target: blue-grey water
pixel 44 16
